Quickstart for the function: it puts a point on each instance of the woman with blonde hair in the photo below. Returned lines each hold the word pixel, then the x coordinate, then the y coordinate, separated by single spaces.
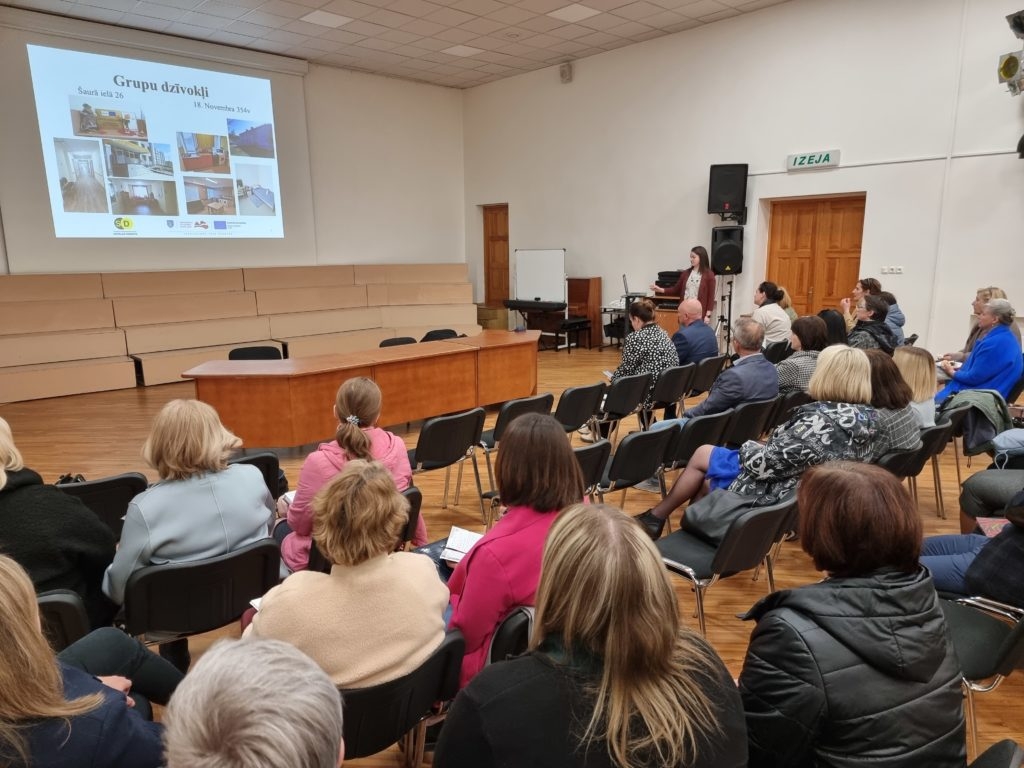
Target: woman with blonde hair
pixel 59 541
pixel 357 408
pixel 612 678
pixel 202 507
pixel 786 302
pixel 917 367
pixel 378 614
pixel 53 710
pixel 981 298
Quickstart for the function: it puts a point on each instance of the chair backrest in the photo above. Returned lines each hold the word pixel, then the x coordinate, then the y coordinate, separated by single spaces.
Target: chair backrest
pixel 697 431
pixel 268 465
pixel 415 498
pixel 933 440
pixel 255 353
pixel 787 403
pixel 777 351
pixel 706 373
pixel 639 456
pixel 194 597
pixel 750 537
pixel 445 440
pixel 911 340
pixel 954 416
pixel 593 459
pixel 749 421
pixel 900 462
pixel 513 408
pixel 672 384
pixel 1003 754
pixel 377 717
pixel 1015 391
pixel 109 497
pixel 439 334
pixel 577 404
pixel 986 644
pixel 512 637
pixel 63 617
pixel 397 341
pixel 625 395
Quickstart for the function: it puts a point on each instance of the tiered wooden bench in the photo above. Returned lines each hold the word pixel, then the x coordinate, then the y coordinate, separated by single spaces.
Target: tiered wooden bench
pixel 69 334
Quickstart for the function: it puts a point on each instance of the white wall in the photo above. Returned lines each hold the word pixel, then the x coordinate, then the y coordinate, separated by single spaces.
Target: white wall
pixel 614 166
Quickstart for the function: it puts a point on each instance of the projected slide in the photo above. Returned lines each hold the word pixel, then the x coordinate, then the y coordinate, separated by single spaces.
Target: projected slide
pixel 139 149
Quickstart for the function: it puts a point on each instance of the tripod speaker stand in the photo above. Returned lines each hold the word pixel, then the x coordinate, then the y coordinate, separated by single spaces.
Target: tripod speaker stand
pixel 725 321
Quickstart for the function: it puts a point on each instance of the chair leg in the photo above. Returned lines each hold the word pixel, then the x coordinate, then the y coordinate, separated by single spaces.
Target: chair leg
pixel 419 744
pixel 972 723
pixel 490 471
pixel 447 477
pixel 476 474
pixel 956 457
pixel 698 591
pixel 912 482
pixel 940 508
pixel 771 573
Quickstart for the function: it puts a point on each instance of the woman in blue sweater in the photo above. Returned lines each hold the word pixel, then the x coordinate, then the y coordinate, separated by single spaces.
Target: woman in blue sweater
pixel 995 362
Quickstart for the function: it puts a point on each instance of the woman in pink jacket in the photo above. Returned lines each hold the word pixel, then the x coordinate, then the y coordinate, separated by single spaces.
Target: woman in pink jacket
pixel 357 409
pixel 537 476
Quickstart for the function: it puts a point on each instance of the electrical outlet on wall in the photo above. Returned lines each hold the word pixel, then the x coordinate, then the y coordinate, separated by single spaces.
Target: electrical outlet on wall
pixel 897 270
pixel 886 270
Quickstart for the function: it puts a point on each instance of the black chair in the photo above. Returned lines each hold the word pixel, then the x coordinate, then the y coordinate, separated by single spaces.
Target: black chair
pixel 1015 391
pixel 268 465
pixel 697 431
pixel 109 497
pixel 777 351
pixel 577 405
pixel 1003 754
pixel 787 403
pixel 638 457
pixel 255 353
pixel 907 465
pixel 622 398
pixel 989 642
pixel 175 600
pixel 512 637
pixel 397 341
pixel 439 334
pixel 593 459
pixel 705 374
pixel 746 545
pixel 748 422
pixel 63 617
pixel 378 716
pixel 509 411
pixel 669 390
pixel 448 440
pixel 910 340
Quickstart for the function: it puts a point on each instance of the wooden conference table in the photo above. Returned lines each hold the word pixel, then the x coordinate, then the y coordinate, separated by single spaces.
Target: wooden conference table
pixel 278 403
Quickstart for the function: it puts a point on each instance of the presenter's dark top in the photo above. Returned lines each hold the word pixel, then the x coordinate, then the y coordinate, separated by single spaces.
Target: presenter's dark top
pixel 705 293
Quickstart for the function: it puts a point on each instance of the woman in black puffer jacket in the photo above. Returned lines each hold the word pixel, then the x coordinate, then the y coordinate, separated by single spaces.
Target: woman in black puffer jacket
pixel 858 669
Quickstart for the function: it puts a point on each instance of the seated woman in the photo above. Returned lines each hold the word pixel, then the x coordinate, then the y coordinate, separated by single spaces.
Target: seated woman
pixel 769 314
pixel 891 397
pixel 870 330
pixel 537 475
pixel 378 614
pixel 917 367
pixel 835 326
pixel 357 409
pixel 874 624
pixel 73 710
pixel 201 508
pixel 866 286
pixel 973 564
pixel 52 535
pixel 840 425
pixel 612 677
pixel 981 298
pixel 995 362
pixel 648 349
pixel 894 317
pixel 807 338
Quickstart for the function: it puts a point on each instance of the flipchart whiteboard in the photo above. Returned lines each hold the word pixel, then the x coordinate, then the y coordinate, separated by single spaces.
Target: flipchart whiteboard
pixel 540 274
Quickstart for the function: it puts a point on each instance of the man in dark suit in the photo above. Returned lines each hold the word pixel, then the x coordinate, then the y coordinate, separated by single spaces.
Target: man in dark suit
pixel 751 377
pixel 695 340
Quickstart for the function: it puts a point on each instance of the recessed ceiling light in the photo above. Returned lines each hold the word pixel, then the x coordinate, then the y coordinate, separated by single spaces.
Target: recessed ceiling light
pixel 573 13
pixel 326 19
pixel 462 50
pixel 512 35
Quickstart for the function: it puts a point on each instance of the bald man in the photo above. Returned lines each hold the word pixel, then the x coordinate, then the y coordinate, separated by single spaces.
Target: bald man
pixel 694 340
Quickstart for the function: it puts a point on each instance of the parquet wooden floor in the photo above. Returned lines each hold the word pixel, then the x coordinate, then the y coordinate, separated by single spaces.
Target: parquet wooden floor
pixel 102 434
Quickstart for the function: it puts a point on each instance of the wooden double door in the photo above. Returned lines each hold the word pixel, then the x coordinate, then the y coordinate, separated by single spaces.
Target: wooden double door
pixel 814 249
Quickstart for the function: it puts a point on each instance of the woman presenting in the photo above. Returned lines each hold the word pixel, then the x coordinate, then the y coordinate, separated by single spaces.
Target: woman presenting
pixel 697 282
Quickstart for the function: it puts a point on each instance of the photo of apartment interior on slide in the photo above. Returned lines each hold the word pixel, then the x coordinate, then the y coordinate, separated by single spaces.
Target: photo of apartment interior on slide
pixel 80 168
pixel 203 152
pixel 140 197
pixel 255 187
pixel 99 117
pixel 249 139
pixel 212 196
pixel 137 160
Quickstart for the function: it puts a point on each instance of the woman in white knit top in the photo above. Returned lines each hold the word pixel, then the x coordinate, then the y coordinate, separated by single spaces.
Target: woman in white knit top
pixel 378 614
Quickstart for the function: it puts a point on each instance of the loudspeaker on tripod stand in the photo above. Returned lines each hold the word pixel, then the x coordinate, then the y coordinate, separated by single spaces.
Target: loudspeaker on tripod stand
pixel 727 250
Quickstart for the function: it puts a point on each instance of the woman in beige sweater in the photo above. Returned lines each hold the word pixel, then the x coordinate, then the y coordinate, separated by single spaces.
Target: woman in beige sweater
pixel 378 614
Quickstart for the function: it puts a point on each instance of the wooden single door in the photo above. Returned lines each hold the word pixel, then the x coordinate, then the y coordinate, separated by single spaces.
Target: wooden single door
pixel 496 271
pixel 814 250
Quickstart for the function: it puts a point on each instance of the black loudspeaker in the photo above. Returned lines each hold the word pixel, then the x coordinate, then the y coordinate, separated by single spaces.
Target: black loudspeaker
pixel 727 250
pixel 727 188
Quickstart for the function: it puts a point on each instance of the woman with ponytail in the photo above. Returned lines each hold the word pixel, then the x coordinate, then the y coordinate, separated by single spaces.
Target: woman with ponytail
pixel 776 322
pixel 357 408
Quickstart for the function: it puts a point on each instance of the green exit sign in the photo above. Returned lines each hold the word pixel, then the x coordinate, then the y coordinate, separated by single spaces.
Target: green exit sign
pixel 826 158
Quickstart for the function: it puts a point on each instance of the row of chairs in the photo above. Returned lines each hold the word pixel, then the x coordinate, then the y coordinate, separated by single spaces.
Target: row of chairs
pixel 438 334
pixel 267 352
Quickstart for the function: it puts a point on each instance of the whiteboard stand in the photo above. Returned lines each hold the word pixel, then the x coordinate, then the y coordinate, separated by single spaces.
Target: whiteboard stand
pixel 540 276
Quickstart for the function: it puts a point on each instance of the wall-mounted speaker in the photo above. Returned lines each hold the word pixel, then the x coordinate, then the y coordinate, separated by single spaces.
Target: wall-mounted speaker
pixel 727 250
pixel 727 188
pixel 565 72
